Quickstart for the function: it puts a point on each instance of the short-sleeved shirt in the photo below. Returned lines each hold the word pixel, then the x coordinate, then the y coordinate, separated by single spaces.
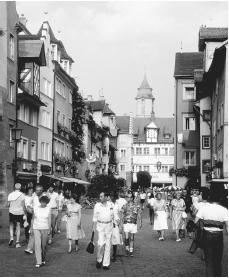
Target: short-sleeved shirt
pixel 41 218
pixel 54 197
pixel 16 200
pixel 215 212
pixel 151 202
pixel 104 212
pixel 121 202
pixel 143 196
pixel 130 212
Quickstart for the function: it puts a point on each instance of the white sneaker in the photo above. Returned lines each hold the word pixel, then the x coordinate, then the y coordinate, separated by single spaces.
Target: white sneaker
pixel 18 245
pixel 178 239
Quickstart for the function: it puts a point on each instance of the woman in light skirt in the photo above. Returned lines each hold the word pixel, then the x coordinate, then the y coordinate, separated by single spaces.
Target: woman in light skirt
pixel 160 215
pixel 177 211
pixel 74 230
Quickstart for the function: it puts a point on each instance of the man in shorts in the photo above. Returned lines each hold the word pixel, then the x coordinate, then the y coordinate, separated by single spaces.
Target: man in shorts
pixel 17 213
pixel 130 216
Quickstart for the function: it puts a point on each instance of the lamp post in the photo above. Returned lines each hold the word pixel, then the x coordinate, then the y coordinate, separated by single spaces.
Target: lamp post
pixel 159 166
pixel 16 137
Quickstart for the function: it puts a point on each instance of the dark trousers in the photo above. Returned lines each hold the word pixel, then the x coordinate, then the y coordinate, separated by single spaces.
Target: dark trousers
pixel 151 215
pixel 213 251
pixel 29 219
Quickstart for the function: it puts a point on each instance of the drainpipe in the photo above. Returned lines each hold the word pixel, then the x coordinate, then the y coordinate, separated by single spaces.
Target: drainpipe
pixel 53 115
pixel 176 131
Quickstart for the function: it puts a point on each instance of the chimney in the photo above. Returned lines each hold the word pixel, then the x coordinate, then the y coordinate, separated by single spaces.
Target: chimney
pixel 23 20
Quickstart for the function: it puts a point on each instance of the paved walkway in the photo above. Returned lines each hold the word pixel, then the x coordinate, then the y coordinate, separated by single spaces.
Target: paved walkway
pixel 152 257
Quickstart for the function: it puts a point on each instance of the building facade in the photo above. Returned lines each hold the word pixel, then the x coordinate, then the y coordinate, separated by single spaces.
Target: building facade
pixel 9 28
pixel 31 58
pixel 209 39
pixel 187 131
pixel 45 122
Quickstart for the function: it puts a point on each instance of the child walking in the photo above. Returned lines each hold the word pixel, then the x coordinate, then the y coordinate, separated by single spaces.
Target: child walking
pixel 73 225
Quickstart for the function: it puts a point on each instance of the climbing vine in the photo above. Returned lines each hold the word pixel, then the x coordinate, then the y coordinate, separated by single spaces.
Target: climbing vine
pixel 78 119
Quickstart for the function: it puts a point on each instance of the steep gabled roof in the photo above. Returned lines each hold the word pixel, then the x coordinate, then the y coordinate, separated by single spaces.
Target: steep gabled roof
pixel 211 34
pixel 97 105
pixel 54 40
pixel 123 123
pixel 187 62
pixel 164 125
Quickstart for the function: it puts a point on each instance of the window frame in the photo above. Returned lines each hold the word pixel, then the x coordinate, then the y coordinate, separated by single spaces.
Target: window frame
pixel 12 47
pixel 203 137
pixel 11 93
pixel 190 151
pixel 188 85
pixel 35 144
pixel 188 116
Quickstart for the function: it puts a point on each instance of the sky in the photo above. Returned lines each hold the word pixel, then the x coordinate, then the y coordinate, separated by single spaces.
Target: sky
pixel 114 43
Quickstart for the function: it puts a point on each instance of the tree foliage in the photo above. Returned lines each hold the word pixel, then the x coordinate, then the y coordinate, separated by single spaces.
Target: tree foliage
pixel 78 119
pixel 143 179
pixel 105 183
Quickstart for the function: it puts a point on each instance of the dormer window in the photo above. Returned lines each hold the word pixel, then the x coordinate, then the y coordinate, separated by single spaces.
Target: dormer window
pixel 66 66
pixel 167 135
pixel 151 134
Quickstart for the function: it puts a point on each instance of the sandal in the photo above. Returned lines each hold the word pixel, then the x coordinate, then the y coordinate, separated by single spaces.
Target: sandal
pixel 11 242
pixel 18 245
pixel 37 265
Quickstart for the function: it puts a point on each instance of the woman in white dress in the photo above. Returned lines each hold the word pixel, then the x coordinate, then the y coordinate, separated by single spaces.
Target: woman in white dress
pixel 160 215
pixel 74 230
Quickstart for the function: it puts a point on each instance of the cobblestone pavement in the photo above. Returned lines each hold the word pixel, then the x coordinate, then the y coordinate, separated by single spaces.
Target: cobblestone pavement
pixel 152 257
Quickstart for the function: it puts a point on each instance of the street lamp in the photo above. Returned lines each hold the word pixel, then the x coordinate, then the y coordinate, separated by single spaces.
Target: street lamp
pixel 16 137
pixel 159 166
pixel 16 134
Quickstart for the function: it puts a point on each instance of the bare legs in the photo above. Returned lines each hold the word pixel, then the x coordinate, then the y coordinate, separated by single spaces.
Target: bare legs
pixel 70 245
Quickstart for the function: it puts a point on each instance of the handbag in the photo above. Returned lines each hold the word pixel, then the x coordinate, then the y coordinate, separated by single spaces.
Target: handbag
pixel 91 247
pixel 184 215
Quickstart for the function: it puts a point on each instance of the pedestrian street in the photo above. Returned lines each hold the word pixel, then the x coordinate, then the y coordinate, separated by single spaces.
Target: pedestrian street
pixel 151 258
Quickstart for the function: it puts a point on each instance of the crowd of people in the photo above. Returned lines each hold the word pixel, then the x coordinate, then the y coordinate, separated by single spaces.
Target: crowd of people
pixel 116 219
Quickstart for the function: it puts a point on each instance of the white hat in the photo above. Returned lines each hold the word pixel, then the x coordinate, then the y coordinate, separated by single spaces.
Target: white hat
pixel 17 186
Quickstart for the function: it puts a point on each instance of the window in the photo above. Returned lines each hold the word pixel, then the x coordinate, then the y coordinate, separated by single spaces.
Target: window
pixel 11 138
pixel 26 114
pixel 146 168
pixel 207 115
pixel 36 80
pixel 167 135
pixel 146 151
pixel 12 46
pixel 33 150
pixel 165 169
pixel 58 116
pixel 221 115
pixel 70 97
pixel 166 151
pixel 171 151
pixel 122 167
pixel 63 119
pixel 189 122
pixel 123 153
pixel 206 165
pixel 64 91
pixel 33 120
pixel 11 91
pixel 189 158
pixel 45 151
pixel 151 134
pixel 139 168
pixel 157 151
pixel 53 51
pixel 189 92
pixel 24 149
pixel 65 65
pixel 70 123
pixel 45 119
pixel 138 151
pixel 206 142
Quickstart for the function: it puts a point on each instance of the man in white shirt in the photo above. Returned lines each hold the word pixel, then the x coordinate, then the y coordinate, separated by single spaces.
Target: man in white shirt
pixel 214 217
pixel 30 207
pixel 54 205
pixel 17 210
pixel 103 217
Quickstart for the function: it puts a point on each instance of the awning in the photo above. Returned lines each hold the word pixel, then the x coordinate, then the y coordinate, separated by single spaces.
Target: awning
pixel 218 180
pixel 32 50
pixel 55 178
pixel 75 180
